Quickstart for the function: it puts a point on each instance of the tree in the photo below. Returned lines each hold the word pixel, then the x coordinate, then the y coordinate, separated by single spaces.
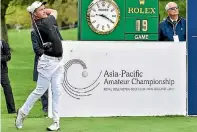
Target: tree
pixel 4 5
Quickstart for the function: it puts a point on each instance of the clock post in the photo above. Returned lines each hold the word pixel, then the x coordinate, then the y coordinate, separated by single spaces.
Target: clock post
pixel 118 20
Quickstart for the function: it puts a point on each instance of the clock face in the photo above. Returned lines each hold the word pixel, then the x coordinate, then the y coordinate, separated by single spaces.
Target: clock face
pixel 103 16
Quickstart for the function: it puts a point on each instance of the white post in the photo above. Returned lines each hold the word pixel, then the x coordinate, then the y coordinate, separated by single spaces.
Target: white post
pixel 50 115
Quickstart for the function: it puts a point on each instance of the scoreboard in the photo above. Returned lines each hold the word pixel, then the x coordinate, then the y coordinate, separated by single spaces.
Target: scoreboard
pixel 132 20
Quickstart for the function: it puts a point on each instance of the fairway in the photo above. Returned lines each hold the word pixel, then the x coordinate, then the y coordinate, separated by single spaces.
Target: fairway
pixel 20 72
pixel 119 124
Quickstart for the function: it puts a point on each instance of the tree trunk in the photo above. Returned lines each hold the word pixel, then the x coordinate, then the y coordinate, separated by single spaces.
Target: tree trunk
pixel 4 6
pixel 4 34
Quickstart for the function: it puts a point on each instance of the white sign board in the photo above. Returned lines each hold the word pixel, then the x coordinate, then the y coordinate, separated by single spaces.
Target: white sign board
pixel 123 79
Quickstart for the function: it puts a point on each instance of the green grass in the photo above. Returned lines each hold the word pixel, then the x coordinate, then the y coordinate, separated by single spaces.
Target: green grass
pixel 20 72
pixel 119 124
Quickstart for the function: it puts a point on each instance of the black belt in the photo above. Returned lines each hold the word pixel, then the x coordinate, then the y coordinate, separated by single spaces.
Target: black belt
pixel 52 55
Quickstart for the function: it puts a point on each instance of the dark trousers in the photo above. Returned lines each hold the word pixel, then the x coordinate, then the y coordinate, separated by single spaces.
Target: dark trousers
pixel 5 82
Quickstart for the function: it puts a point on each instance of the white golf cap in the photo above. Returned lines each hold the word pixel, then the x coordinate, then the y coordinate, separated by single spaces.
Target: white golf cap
pixel 34 6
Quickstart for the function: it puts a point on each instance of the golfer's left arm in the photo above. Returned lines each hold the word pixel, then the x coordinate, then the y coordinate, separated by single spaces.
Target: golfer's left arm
pixel 51 12
pixel 35 42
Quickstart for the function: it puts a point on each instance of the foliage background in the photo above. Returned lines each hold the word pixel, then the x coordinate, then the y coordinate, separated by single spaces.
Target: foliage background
pixel 16 13
pixel 182 4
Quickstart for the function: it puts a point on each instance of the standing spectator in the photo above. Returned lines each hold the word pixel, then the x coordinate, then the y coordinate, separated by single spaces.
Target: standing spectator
pixel 5 82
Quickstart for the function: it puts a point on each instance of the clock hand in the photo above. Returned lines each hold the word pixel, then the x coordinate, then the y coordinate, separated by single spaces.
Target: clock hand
pixel 102 15
pixel 108 19
pixel 111 21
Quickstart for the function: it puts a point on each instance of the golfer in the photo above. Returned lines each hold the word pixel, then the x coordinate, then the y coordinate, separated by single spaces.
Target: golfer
pixel 49 68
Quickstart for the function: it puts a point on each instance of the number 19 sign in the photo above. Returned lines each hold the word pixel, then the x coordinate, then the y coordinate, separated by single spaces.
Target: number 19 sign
pixel 131 20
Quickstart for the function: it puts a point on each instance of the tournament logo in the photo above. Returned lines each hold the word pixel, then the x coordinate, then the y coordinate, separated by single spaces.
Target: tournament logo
pixel 78 92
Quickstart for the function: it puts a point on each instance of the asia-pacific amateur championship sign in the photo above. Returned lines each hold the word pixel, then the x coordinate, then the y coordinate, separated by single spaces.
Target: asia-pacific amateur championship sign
pixel 122 20
pixel 115 78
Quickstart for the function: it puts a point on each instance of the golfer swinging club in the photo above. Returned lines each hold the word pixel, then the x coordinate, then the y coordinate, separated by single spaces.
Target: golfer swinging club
pixel 49 68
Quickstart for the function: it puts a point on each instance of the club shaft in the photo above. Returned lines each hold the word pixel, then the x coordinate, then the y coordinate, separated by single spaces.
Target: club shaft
pixel 37 28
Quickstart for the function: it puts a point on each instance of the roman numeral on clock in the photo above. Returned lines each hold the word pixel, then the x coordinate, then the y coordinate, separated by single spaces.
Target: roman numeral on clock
pixel 108 25
pixel 108 6
pixel 98 5
pixel 97 26
pixel 94 21
pixel 103 3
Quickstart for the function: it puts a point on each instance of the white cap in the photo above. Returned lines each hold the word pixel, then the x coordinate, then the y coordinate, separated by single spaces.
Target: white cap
pixel 34 6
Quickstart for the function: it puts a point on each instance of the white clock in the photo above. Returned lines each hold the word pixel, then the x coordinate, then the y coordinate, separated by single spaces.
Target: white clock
pixel 103 16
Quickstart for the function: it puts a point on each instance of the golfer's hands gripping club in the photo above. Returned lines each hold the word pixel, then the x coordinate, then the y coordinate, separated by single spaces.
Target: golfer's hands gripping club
pixel 47 46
